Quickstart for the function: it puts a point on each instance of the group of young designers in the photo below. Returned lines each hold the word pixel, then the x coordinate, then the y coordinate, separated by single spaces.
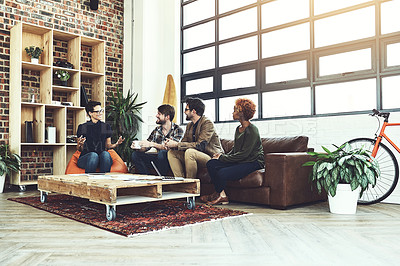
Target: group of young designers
pixel 176 150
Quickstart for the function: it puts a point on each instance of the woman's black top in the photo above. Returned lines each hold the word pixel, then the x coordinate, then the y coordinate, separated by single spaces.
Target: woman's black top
pixel 95 134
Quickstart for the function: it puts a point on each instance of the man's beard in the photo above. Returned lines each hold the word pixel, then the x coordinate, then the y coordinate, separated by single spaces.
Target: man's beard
pixel 160 122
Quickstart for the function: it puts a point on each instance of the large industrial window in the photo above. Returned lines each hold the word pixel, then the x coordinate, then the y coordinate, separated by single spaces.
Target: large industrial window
pixel 294 58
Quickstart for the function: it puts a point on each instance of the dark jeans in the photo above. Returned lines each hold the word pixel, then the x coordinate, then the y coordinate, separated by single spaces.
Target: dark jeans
pixel 142 160
pixel 91 161
pixel 221 172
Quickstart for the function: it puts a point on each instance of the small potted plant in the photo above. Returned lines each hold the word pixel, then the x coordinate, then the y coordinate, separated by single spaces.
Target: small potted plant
pixel 63 76
pixel 34 52
pixel 8 162
pixel 344 174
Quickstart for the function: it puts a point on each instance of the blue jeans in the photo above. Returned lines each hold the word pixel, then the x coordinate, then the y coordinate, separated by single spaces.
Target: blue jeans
pixel 91 161
pixel 142 160
pixel 221 172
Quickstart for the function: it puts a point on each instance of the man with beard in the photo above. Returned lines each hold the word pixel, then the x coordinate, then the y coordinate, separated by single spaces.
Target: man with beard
pixel 167 130
pixel 198 144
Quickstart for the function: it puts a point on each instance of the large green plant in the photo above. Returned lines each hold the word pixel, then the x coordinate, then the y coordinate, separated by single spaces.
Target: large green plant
pixel 344 165
pixel 8 161
pixel 123 114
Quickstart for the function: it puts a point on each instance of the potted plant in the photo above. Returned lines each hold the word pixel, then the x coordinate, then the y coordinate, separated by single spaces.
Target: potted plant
pixel 8 162
pixel 63 76
pixel 34 52
pixel 123 114
pixel 344 174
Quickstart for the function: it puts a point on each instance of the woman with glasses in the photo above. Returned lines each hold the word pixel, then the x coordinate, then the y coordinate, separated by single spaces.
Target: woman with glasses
pixel 94 139
pixel 246 156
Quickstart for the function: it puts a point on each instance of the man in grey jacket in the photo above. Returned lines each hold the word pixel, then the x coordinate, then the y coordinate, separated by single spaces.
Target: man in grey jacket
pixel 199 143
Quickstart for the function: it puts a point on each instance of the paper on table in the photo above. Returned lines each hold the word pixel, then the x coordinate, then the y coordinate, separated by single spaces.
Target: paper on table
pixel 134 177
pixel 100 177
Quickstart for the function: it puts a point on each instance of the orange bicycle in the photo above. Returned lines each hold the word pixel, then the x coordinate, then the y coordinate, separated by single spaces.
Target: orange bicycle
pixel 388 165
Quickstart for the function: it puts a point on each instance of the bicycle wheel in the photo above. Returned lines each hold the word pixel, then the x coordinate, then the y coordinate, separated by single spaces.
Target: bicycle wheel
pixel 387 181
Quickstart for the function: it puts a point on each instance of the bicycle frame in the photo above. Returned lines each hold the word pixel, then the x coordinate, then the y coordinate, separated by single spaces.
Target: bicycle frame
pixel 382 134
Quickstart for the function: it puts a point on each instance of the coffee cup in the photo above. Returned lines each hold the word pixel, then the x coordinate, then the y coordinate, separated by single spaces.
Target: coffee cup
pixel 136 144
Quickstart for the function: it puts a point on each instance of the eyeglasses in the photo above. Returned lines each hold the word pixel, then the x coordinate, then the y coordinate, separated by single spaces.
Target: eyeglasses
pixel 98 111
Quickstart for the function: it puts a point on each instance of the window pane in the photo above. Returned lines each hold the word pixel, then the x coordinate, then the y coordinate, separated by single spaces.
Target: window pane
pixel 391 92
pixel 393 52
pixel 277 12
pixel 229 52
pixel 226 106
pixel 228 5
pixel 210 109
pixel 285 72
pixel 199 35
pixel 199 60
pixel 198 10
pixel 199 85
pixel 345 62
pixel 323 6
pixel 238 24
pixel 238 80
pixel 284 41
pixel 390 16
pixel 346 97
pixel 345 27
pixel 287 102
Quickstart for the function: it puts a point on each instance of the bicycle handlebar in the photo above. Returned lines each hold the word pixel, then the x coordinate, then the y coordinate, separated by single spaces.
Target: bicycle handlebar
pixel 377 113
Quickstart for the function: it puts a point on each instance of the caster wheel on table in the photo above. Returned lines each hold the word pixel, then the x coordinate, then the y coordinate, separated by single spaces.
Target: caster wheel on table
pixel 110 213
pixel 22 188
pixel 43 197
pixel 191 204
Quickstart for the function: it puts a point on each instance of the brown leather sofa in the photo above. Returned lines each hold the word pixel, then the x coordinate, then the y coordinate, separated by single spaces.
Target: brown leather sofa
pixel 284 182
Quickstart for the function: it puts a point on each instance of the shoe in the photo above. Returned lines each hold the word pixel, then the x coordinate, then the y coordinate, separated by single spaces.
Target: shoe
pixel 207 198
pixel 219 200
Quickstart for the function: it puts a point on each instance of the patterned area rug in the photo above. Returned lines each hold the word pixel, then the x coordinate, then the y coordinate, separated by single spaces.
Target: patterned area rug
pixel 131 219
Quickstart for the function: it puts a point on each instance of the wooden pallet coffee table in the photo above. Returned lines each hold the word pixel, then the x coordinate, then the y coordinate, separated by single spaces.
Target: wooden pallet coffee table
pixel 112 190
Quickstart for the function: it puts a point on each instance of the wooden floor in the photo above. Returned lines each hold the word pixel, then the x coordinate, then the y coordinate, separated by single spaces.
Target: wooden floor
pixel 307 235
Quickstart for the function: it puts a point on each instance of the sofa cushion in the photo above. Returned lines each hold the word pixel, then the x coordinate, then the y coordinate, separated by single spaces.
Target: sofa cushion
pixel 227 144
pixel 202 174
pixel 285 144
pixel 253 180
pixel 275 145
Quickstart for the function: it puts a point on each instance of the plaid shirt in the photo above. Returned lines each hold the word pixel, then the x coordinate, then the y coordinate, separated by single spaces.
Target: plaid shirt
pixel 157 136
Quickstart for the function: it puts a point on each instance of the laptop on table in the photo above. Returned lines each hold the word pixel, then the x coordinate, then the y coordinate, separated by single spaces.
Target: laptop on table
pixel 166 178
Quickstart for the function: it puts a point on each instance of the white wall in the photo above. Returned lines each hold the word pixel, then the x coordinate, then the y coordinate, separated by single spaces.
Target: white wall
pixel 156 54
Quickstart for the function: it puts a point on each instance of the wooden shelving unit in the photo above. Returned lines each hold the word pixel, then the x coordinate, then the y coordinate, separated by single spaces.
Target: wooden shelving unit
pixel 88 58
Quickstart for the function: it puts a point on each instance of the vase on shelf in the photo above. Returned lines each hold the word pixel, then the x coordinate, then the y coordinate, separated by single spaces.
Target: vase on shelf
pixel 64 83
pixel 35 60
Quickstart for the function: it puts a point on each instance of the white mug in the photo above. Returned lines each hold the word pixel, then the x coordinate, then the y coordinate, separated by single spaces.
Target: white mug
pixel 136 144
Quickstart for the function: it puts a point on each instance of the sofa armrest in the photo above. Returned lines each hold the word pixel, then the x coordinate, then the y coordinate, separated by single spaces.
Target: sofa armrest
pixel 289 180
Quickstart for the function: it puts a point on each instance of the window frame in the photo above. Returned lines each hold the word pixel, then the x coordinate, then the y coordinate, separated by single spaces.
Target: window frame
pixel 377 43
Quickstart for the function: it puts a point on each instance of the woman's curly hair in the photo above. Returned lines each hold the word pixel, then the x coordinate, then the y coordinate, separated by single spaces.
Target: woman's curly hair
pixel 246 106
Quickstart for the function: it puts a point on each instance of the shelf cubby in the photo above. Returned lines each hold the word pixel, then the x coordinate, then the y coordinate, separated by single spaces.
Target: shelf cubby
pixel 38 96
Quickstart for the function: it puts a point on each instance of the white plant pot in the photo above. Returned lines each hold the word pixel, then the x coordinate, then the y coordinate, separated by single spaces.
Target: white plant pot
pixel 2 182
pixel 345 200
pixel 35 60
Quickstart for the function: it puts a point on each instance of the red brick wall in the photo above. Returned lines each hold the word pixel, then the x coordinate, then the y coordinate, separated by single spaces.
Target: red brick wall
pixel 73 16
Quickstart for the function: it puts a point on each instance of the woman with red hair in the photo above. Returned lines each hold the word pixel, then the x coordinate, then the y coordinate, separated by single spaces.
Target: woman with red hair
pixel 246 156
